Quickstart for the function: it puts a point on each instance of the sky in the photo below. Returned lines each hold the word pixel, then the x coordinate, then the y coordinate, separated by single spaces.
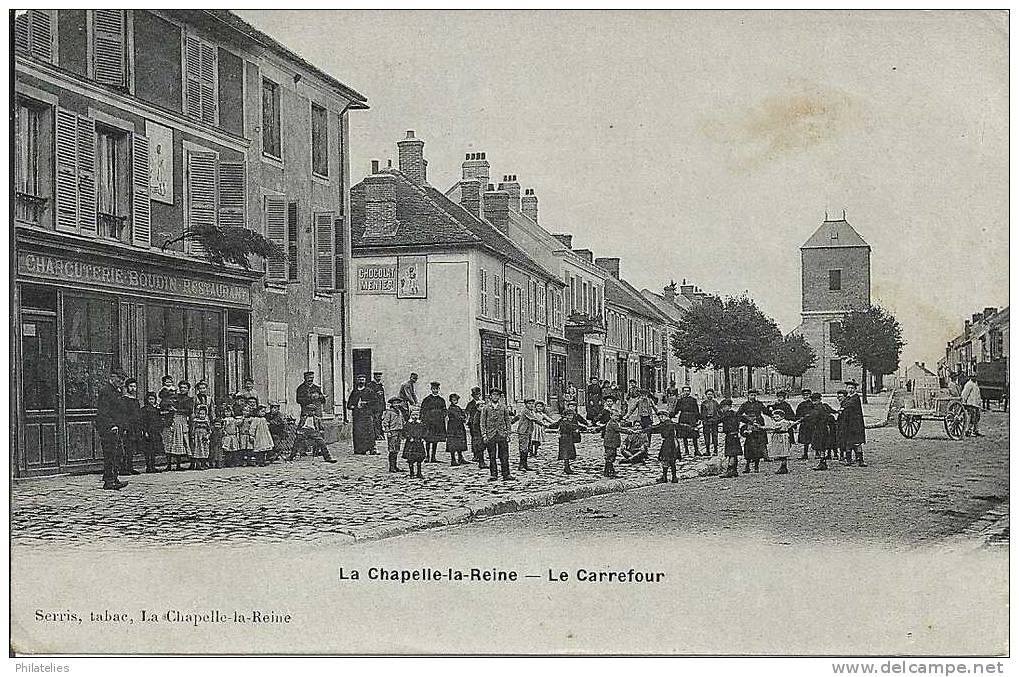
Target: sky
pixel 707 146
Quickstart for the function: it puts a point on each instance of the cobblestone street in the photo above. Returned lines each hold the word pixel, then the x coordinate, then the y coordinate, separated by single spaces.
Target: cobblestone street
pixel 304 499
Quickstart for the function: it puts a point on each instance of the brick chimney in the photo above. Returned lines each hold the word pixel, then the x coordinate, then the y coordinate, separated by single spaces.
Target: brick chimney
pixel 669 292
pixel 412 158
pixel 380 204
pixel 471 196
pixel 565 238
pixel 609 264
pixel 511 186
pixel 475 166
pixel 529 205
pixel 497 208
pixel 585 254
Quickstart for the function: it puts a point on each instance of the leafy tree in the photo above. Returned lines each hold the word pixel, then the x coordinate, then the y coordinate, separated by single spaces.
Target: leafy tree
pixel 230 244
pixel 793 356
pixel 872 339
pixel 725 334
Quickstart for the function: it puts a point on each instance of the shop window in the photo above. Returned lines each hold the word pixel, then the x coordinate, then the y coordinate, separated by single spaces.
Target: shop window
pixel 271 142
pixel 90 348
pixel 319 140
pixel 185 344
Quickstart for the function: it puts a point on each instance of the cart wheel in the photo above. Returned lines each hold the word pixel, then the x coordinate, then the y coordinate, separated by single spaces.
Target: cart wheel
pixel 909 425
pixel 956 420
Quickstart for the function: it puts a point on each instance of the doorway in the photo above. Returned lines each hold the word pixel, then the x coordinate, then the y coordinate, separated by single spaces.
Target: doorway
pixel 362 361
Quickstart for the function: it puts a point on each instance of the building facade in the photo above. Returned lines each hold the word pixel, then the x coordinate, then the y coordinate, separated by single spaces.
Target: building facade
pixel 134 128
pixel 835 277
pixel 983 340
pixel 442 291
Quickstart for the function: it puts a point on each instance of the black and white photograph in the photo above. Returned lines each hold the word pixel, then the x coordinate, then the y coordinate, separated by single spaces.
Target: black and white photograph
pixel 510 332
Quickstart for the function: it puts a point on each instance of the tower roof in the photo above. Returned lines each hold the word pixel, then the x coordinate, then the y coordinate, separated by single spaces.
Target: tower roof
pixel 835 233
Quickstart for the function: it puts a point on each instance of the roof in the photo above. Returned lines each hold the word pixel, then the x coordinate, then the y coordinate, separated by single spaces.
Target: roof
pixel 621 293
pixel 917 365
pixel 427 218
pixel 673 311
pixel 835 233
pixel 237 23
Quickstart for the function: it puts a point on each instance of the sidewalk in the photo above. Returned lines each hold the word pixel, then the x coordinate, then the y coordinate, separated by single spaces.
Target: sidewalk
pixel 353 499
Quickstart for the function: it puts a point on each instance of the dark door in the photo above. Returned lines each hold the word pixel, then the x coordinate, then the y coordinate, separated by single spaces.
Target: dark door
pixel 362 359
pixel 39 440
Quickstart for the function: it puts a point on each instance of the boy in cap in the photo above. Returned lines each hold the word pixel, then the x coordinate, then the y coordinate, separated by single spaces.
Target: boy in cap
pixel 612 439
pixel 392 427
pixel 669 452
pixel 730 430
pixel 802 410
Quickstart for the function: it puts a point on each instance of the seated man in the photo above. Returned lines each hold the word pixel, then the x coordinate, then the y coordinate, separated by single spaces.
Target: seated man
pixel 309 433
pixel 635 448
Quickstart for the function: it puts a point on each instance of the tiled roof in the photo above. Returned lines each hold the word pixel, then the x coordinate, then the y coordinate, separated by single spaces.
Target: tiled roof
pixel 674 311
pixel 427 218
pixel 621 293
pixel 835 234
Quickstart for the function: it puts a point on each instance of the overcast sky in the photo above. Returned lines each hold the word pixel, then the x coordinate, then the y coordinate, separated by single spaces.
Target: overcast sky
pixel 708 145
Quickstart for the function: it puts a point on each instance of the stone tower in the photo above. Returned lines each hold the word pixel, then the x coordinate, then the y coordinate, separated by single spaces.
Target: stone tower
pixel 835 273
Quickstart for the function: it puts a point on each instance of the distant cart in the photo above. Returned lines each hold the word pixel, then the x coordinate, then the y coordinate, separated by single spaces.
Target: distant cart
pixel 948 410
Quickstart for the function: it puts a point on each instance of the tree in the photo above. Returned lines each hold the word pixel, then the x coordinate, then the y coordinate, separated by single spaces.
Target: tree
pixel 793 356
pixel 230 244
pixel 872 339
pixel 725 334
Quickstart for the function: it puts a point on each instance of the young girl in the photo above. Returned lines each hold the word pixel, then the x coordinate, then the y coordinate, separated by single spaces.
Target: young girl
pixel 414 432
pixel 538 431
pixel 231 443
pixel 669 452
pixel 152 431
pixel 216 437
pixel 182 419
pixel 569 425
pixel 167 389
pixel 730 430
pixel 456 431
pixel 245 435
pixel 261 437
pixel 778 443
pixel 201 430
pixel 176 445
pixel 525 428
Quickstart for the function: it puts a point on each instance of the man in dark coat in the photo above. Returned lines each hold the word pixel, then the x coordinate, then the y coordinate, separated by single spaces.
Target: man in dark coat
pixel 380 407
pixel 361 402
pixel 689 413
pixel 854 430
pixel 802 411
pixel 594 398
pixel 109 423
pixel 473 412
pixel 131 430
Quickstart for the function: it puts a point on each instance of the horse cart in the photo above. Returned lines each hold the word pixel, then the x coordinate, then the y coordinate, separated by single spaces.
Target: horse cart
pixel 948 410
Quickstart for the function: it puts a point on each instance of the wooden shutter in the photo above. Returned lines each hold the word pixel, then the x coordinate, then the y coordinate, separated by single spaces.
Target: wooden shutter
pixel 109 46
pixel 33 32
pixel 207 83
pixel 339 245
pixel 87 197
pixel 276 232
pixel 293 223
pixel 232 195
pixel 325 252
pixel 22 30
pixel 141 216
pixel 193 77
pixel 483 288
pixel 67 170
pixel 201 200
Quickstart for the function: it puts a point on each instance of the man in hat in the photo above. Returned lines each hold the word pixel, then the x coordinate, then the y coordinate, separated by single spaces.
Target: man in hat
pixel 108 424
pixel 473 412
pixel 309 396
pixel 409 395
pixel 496 419
pixel 710 418
pixel 362 404
pixel 972 400
pixel 854 432
pixel 380 402
pixel 802 412
pixel 131 431
pixel 689 413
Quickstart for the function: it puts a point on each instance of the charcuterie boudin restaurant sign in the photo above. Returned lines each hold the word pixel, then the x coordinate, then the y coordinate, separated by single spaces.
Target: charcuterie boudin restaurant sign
pixel 123 278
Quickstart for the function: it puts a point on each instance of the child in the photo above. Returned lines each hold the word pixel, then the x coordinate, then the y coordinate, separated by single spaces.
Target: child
pixel 216 437
pixel 231 442
pixel 635 447
pixel 569 425
pixel 151 431
pixel 392 428
pixel 200 432
pixel 669 452
pixel 185 409
pixel 261 437
pixel 538 431
pixel 414 447
pixel 611 439
pixel 245 435
pixel 277 427
pixel 167 389
pixel 176 445
pixel 730 429
pixel 456 431
pixel 756 446
pixel 780 441
pixel 525 429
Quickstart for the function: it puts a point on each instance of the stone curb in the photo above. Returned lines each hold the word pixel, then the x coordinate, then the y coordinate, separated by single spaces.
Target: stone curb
pixel 704 468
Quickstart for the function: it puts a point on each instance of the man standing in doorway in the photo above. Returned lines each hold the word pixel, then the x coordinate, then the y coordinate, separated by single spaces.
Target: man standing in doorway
pixel 409 395
pixel 109 423
pixel 972 400
pixel 130 432
pixel 495 430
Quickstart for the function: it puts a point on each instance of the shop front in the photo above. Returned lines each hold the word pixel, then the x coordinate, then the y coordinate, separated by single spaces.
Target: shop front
pixel 82 312
pixel 493 361
pixel 556 372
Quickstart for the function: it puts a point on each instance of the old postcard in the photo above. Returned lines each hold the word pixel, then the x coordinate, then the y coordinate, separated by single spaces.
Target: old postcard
pixel 510 332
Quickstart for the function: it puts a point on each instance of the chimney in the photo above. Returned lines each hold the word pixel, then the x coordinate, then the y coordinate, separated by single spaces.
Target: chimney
pixel 511 186
pixel 565 238
pixel 989 312
pixel 609 264
pixel 379 204
pixel 470 197
pixel 669 292
pixel 585 254
pixel 688 290
pixel 412 158
pixel 497 208
pixel 977 317
pixel 529 205
pixel 966 326
pixel 475 166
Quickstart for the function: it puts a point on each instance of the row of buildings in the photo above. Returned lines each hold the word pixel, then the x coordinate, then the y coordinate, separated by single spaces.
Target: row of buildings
pixel 133 128
pixel 981 349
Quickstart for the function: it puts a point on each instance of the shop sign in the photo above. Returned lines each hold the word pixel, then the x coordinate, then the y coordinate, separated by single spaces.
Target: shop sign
pixel 376 278
pixel 58 269
pixel 513 344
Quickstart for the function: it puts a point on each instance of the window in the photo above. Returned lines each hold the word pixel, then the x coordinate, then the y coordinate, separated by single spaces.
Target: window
pixel 835 370
pixel 583 306
pixel 323 368
pixel 111 182
pixel 33 33
pixel 201 67
pixel 325 254
pixel 109 46
pixel 835 280
pixel 91 345
pixel 319 140
pixel 573 294
pixel 483 290
pixel 271 143
pixel 216 194
pixel 33 177
pixel 834 331
pixel 497 301
pixel 185 343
